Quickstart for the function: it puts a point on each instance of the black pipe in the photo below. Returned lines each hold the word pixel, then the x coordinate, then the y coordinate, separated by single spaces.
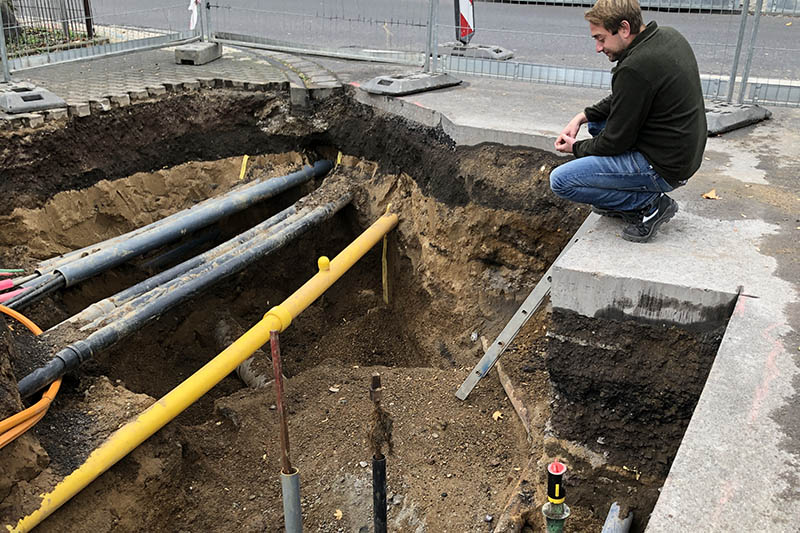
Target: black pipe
pixel 187 248
pixel 186 287
pixel 108 310
pixel 49 265
pixel 30 296
pixel 379 493
pixel 194 218
pixel 235 254
pixel 86 267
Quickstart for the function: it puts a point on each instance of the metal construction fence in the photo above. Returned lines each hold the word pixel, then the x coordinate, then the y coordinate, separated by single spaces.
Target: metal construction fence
pixel 747 50
pixel 42 32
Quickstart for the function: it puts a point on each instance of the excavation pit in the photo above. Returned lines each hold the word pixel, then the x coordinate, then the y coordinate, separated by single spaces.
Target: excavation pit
pixel 478 228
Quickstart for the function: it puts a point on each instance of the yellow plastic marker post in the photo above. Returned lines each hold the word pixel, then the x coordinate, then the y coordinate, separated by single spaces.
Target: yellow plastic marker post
pixel 244 167
pixel 385 264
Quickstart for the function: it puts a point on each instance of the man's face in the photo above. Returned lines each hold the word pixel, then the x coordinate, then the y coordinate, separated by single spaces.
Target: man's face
pixel 610 44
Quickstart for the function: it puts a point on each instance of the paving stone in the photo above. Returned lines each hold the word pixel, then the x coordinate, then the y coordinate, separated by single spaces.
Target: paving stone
pixel 56 114
pixel 34 120
pixel 79 110
pixel 138 95
pixel 101 105
pixel 207 83
pixel 191 85
pixel 119 100
pixel 156 90
pixel 173 86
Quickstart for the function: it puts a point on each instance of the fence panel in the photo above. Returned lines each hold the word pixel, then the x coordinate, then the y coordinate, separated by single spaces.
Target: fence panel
pixel 551 43
pixel 771 70
pixel 41 32
pixel 379 30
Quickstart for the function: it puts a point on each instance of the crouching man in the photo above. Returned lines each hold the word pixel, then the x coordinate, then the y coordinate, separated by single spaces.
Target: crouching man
pixel 648 136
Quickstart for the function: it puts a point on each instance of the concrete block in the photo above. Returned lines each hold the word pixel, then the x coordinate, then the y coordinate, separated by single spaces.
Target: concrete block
pixel 156 91
pixel 79 110
pixel 299 96
pixel 603 275
pixel 33 120
pixel 198 53
pixel 101 105
pixel 476 51
pixel 236 84
pixel 207 83
pixel 722 117
pixel 191 85
pixel 119 100
pixel 251 86
pixel 15 122
pixel 322 93
pixel 24 98
pixel 138 95
pixel 172 86
pixel 56 114
pixel 399 85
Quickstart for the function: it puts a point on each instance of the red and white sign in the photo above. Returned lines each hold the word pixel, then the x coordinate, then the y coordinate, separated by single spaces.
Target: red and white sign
pixel 465 20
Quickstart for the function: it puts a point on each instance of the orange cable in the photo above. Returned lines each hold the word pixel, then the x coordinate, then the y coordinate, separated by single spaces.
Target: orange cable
pixel 15 425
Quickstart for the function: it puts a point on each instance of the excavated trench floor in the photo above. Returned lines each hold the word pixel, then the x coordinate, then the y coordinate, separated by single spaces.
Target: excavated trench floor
pixel 478 227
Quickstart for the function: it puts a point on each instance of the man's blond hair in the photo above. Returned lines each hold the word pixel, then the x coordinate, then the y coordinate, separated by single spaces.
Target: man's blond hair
pixel 610 14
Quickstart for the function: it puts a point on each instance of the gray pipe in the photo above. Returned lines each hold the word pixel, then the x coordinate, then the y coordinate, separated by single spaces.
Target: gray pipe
pixel 615 524
pixel 184 288
pixel 86 267
pixel 54 263
pixel 127 301
pixel 106 306
pixel 292 512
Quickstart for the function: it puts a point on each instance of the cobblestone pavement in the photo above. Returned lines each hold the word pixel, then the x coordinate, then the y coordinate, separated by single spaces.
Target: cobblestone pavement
pixel 115 76
pixel 100 85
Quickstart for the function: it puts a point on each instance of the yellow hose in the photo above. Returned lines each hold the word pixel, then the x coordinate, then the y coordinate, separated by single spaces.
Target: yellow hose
pixel 132 434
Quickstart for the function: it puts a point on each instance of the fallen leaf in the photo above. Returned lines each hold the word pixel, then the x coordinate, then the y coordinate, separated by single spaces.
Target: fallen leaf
pixel 497 415
pixel 338 514
pixel 788 23
pixel 711 195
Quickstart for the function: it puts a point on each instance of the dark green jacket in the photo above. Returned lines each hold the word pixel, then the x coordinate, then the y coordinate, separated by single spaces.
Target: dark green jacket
pixel 656 106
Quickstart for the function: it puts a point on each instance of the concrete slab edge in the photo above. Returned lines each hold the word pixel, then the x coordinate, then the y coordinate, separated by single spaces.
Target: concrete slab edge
pixel 461 134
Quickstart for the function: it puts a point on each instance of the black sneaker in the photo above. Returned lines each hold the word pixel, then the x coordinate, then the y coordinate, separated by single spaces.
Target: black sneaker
pixel 631 217
pixel 644 229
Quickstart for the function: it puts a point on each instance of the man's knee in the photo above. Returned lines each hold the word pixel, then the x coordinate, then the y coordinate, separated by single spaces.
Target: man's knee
pixel 559 182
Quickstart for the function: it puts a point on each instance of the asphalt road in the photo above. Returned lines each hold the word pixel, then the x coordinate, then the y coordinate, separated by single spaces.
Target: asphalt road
pixel 541 34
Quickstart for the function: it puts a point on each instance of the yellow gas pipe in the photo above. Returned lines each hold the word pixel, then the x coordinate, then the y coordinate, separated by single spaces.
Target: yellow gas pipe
pixel 132 434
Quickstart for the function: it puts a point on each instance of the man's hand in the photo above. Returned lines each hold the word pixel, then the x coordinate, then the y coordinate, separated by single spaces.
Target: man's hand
pixel 566 139
pixel 564 143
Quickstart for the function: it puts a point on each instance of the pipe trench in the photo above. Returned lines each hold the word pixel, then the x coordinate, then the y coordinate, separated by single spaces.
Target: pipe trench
pixel 151 304
pixel 127 438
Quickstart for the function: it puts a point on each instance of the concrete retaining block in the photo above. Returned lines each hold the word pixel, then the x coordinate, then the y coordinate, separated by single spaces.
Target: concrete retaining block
pixel 100 105
pixel 120 100
pixel 198 53
pixel 156 91
pixel 79 110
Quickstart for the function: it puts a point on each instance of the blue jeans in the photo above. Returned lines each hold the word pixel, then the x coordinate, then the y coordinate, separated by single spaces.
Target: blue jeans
pixel 624 182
